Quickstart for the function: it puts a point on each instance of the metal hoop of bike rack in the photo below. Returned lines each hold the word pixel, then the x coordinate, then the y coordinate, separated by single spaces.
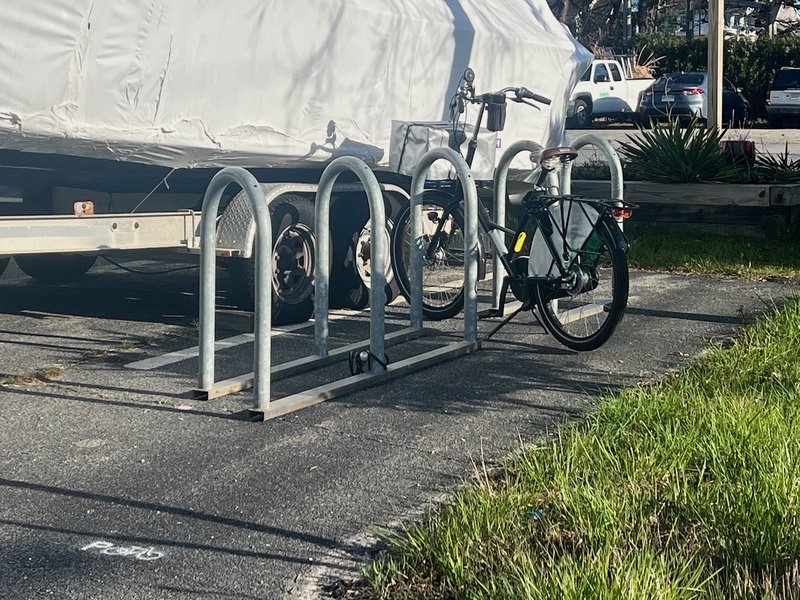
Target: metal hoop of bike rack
pixel 470 238
pixel 500 186
pixel 378 249
pixel 501 179
pixel 263 285
pixel 591 139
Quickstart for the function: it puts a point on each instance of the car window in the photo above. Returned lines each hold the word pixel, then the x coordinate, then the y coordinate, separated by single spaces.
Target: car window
pixel 728 86
pixel 587 74
pixel 615 74
pixel 600 72
pixel 682 79
pixel 787 79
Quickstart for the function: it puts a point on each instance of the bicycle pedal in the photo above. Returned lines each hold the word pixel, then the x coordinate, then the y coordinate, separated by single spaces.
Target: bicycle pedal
pixel 490 313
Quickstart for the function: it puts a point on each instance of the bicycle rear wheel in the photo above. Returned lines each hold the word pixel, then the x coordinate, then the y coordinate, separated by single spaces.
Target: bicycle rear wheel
pixel 585 319
pixel 442 266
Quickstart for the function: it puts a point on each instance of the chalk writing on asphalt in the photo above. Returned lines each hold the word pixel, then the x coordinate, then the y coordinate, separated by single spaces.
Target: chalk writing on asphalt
pixel 137 552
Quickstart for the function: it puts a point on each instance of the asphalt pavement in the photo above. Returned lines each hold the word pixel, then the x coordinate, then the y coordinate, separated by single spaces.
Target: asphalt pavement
pixel 114 484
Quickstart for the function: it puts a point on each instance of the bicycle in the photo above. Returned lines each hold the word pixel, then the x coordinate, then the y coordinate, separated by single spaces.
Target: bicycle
pixel 573 274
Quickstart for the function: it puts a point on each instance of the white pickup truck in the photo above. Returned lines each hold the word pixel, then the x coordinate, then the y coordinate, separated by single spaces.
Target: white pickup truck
pixel 605 90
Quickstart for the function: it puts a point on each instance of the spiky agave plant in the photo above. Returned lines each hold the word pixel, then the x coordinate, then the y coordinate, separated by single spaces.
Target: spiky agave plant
pixel 777 168
pixel 673 154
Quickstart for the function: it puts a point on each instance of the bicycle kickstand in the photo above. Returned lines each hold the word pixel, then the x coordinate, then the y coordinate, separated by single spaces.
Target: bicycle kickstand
pixel 498 312
pixel 505 321
pixel 489 313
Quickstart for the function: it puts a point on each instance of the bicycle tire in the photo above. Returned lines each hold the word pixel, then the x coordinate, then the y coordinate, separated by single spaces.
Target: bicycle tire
pixel 576 323
pixel 443 275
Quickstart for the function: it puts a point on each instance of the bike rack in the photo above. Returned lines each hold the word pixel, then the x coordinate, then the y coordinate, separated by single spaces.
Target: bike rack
pixel 380 371
pixel 208 280
pixel 500 185
pixel 614 164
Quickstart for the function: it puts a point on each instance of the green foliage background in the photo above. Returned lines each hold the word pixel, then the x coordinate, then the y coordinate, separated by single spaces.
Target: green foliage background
pixel 748 64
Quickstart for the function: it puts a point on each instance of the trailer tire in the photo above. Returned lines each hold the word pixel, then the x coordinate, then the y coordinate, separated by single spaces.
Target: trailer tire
pixel 55 267
pixel 3 264
pixel 350 272
pixel 292 263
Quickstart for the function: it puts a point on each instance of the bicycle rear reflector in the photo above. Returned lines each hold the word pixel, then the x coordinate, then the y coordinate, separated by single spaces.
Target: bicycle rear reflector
pixel 622 213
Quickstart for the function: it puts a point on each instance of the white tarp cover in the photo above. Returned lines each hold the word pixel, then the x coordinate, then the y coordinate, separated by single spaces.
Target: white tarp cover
pixel 184 83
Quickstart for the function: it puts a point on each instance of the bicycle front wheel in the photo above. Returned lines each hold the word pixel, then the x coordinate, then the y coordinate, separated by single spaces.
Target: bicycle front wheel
pixel 442 256
pixel 585 318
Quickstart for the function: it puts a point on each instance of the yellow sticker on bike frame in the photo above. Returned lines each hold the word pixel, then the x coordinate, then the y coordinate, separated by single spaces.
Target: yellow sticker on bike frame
pixel 520 241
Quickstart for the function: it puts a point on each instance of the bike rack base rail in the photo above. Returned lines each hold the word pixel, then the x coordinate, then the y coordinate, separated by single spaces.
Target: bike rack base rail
pixel 303 365
pixel 282 406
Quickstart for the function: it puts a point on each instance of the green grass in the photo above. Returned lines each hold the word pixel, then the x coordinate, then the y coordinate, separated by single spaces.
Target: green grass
pixel 685 488
pixel 690 251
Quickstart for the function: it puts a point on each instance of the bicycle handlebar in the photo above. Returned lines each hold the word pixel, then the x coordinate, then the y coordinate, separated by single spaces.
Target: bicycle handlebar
pixel 520 95
pixel 526 93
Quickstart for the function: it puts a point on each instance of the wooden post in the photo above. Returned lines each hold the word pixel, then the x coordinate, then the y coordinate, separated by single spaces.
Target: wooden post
pixel 716 16
pixel 626 19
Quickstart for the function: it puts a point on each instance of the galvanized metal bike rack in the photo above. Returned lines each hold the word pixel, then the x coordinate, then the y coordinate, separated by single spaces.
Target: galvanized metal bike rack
pixel 263 285
pixel 591 139
pixel 381 370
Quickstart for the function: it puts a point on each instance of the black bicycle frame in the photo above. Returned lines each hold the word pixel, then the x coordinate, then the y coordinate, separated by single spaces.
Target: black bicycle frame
pixel 484 218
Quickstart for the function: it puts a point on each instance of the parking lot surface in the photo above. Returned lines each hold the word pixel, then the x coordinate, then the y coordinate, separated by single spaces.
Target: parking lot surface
pixel 114 483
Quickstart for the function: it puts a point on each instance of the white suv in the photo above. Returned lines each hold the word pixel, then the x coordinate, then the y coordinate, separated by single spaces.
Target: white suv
pixel 783 96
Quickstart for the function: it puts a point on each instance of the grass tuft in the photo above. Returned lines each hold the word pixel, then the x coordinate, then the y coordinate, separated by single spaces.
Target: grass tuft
pixel 658 248
pixel 685 488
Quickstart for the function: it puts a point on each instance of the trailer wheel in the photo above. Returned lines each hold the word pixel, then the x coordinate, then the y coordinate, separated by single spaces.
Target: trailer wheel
pixel 55 268
pixel 292 261
pixel 352 264
pixel 3 264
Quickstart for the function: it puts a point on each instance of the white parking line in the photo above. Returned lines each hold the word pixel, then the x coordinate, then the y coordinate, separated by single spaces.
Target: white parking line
pixel 169 358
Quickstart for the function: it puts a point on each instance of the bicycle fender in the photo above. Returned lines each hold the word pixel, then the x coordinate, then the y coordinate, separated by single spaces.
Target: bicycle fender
pixel 617 234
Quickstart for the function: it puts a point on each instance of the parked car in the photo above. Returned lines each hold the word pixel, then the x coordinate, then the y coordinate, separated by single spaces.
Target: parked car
pixel 605 90
pixel 783 96
pixel 685 95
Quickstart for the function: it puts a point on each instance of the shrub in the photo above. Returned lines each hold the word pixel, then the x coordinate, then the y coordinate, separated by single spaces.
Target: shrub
pixel 777 168
pixel 674 155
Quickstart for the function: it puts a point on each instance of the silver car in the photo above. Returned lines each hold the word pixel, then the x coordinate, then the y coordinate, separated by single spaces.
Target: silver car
pixel 684 96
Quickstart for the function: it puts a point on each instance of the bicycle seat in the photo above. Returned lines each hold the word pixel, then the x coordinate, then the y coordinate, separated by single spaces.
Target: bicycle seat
pixel 562 153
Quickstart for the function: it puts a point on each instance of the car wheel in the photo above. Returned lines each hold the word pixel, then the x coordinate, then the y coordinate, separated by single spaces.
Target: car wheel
pixel 582 119
pixel 743 120
pixel 352 264
pixel 643 122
